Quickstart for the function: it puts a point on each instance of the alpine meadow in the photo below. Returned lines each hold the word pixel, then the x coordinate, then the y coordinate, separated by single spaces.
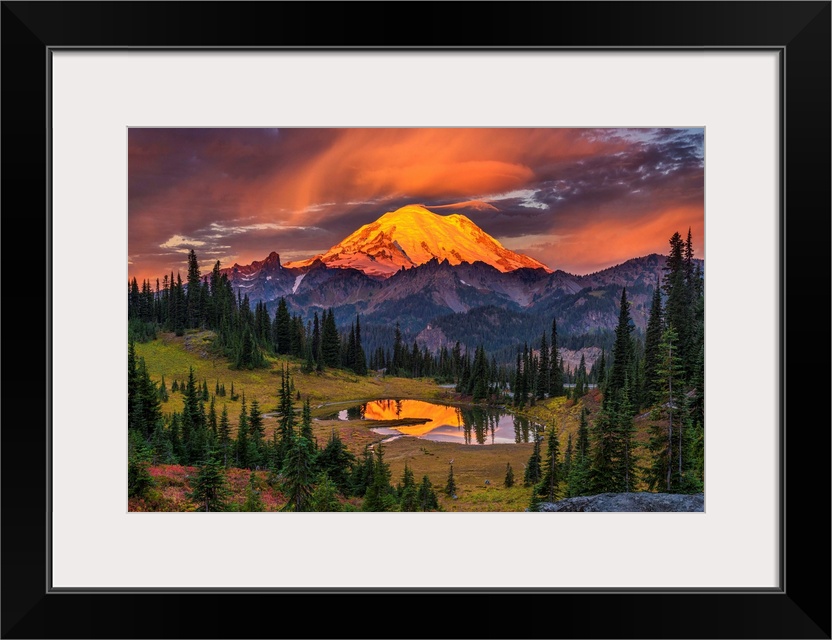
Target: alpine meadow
pixel 415 319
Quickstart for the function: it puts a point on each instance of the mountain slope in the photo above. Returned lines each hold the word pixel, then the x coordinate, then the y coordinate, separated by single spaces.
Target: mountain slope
pixel 413 235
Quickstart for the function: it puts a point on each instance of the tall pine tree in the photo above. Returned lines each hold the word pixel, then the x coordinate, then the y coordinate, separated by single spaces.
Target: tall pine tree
pixel 299 475
pixel 194 299
pixel 282 334
pixel 533 472
pixel 544 374
pixel 622 352
pixel 556 375
pixel 652 340
pixel 549 487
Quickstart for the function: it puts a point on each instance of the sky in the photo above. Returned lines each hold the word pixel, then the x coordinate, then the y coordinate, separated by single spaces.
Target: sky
pixel 579 200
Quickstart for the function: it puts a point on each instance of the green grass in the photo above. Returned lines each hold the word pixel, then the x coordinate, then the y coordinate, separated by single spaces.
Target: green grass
pixel 173 356
pixel 473 464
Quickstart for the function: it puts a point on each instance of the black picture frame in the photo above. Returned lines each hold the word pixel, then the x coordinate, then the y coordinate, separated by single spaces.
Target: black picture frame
pixel 800 31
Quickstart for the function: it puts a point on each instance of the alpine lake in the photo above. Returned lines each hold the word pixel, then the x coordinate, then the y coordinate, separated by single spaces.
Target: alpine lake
pixel 428 420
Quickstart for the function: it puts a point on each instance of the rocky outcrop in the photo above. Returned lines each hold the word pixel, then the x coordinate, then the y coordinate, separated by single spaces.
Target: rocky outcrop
pixel 642 502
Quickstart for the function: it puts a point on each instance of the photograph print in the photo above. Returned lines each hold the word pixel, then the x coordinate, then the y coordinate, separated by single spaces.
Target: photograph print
pixel 415 320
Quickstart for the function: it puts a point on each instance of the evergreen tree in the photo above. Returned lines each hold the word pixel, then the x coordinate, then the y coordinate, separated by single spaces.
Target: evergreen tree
pixel 567 456
pixel 518 380
pixel 139 480
pixel 180 309
pixel 298 337
pixel 253 501
pixel 408 492
pixel 191 420
pixel 528 376
pixel 524 378
pixel 245 353
pixel 224 434
pixel 450 486
pixel 360 358
pixel 427 496
pixel 132 383
pixel 678 305
pixel 133 299
pixel 694 478
pixel 669 395
pixel 176 442
pixel 626 434
pixel 325 495
pixel 362 476
pixel 533 471
pixel 212 422
pixel 306 423
pixel 580 379
pixel 604 468
pixel 697 383
pixel 602 371
pixel 379 495
pixel 583 435
pixel 548 489
pixel 578 481
pixel 509 480
pixel 309 361
pixel 534 501
pixel 478 383
pixel 298 475
pixel 622 352
pixel 330 340
pixel 397 364
pixel 282 335
pixel 257 431
pixel 146 412
pixel 348 360
pixel 163 451
pixel 465 374
pixel 262 326
pixel 274 462
pixel 242 436
pixel 652 341
pixel 286 426
pixel 544 375
pixel 316 343
pixel 194 306
pixel 556 376
pixel 336 461
pixel 210 488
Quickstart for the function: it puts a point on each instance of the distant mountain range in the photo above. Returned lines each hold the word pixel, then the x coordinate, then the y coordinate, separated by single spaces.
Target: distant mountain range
pixel 443 279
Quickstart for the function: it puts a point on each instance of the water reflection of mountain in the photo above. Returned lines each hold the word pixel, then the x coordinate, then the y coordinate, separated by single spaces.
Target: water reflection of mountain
pixel 445 423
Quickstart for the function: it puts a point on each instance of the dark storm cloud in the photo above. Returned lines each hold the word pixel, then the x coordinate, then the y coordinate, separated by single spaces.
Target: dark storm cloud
pixel 658 169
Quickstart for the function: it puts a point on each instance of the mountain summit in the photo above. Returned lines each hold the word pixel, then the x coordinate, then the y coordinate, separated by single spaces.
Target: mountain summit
pixel 412 236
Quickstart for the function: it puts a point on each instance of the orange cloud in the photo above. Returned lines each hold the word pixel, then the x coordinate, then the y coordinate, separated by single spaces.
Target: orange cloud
pixel 368 164
pixel 599 245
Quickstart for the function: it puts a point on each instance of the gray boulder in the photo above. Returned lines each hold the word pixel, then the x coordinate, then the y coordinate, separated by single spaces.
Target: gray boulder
pixel 642 502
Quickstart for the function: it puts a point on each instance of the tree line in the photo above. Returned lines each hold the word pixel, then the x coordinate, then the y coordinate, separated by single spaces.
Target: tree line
pixel 666 379
pixel 244 334
pixel 311 476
